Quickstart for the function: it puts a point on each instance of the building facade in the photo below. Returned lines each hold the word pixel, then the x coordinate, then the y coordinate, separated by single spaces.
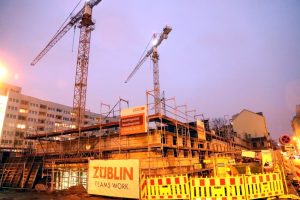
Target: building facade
pixel 296 122
pixel 21 114
pixel 252 126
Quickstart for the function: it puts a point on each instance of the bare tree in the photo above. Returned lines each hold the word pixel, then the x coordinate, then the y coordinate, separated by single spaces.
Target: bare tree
pixel 222 128
pixel 218 123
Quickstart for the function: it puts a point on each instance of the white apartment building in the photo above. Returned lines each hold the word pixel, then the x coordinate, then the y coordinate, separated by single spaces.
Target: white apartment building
pixel 21 114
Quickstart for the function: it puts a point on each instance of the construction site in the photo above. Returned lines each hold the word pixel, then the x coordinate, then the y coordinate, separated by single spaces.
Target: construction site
pixel 158 150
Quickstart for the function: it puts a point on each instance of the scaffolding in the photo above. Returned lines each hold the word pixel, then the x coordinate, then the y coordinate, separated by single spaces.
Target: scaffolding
pixel 169 146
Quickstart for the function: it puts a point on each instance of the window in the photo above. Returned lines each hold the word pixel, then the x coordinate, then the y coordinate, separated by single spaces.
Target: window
pixel 42 121
pixel 21 126
pixel 174 140
pixel 21 118
pixel 208 145
pixel 40 128
pixel 192 143
pixel 22 110
pixel 23 102
pixel 193 153
pixel 42 113
pixel 163 139
pixel 20 134
pixel 165 152
pixel 18 142
pixel 186 153
pixel 43 106
pixel 184 141
pixel 175 153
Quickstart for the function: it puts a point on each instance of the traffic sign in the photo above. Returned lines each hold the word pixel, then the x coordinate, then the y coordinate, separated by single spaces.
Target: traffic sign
pixel 285 139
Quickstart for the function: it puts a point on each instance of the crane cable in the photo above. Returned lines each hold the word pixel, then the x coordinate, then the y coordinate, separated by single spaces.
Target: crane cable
pixel 144 52
pixel 66 20
pixel 71 13
pixel 69 16
pixel 145 49
pixel 73 38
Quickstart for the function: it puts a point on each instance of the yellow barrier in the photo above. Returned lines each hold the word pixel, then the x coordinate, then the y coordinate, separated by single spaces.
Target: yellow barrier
pixel 263 185
pixel 287 165
pixel 243 187
pixel 229 188
pixel 168 187
pixel 143 186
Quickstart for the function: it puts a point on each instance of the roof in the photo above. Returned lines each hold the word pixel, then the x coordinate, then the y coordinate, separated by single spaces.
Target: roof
pixel 246 110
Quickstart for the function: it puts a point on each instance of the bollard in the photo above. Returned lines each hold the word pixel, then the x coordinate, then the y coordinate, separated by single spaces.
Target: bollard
pixel 276 169
pixel 248 171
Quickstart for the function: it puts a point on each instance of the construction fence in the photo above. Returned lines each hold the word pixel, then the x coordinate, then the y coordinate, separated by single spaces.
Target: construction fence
pixel 242 187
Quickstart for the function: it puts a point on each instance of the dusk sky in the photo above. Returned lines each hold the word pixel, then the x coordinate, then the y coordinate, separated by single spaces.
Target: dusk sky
pixel 221 56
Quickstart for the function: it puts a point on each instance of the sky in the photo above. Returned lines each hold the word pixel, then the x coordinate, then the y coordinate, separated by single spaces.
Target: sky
pixel 221 56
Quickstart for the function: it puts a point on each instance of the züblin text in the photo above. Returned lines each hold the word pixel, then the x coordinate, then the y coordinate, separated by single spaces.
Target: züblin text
pixel 115 173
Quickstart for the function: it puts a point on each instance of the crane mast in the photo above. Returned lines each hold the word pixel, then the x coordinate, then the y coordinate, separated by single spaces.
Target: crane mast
pixel 154 57
pixel 86 25
pixel 79 99
pixel 156 85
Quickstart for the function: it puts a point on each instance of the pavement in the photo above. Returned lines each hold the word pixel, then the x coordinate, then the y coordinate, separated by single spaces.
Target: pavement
pixel 293 186
pixel 32 195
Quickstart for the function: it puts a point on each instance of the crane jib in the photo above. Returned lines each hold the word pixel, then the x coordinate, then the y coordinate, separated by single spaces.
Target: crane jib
pixel 163 36
pixel 61 32
pixel 85 19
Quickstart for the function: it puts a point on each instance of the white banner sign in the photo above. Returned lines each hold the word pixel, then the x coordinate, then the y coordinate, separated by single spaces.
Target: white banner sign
pixel 249 154
pixel 200 130
pixel 133 120
pixel 115 178
pixel 267 157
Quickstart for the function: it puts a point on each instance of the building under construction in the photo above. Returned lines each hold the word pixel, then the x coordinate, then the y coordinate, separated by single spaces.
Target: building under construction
pixel 172 141
pixel 166 138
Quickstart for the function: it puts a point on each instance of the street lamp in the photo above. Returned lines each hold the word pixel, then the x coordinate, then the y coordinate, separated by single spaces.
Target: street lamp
pixel 3 72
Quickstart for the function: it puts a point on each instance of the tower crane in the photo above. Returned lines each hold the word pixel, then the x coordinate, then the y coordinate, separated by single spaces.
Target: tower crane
pixel 155 57
pixel 84 21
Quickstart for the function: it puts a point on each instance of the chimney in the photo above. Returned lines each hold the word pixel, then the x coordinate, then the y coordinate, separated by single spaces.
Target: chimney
pixel 260 113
